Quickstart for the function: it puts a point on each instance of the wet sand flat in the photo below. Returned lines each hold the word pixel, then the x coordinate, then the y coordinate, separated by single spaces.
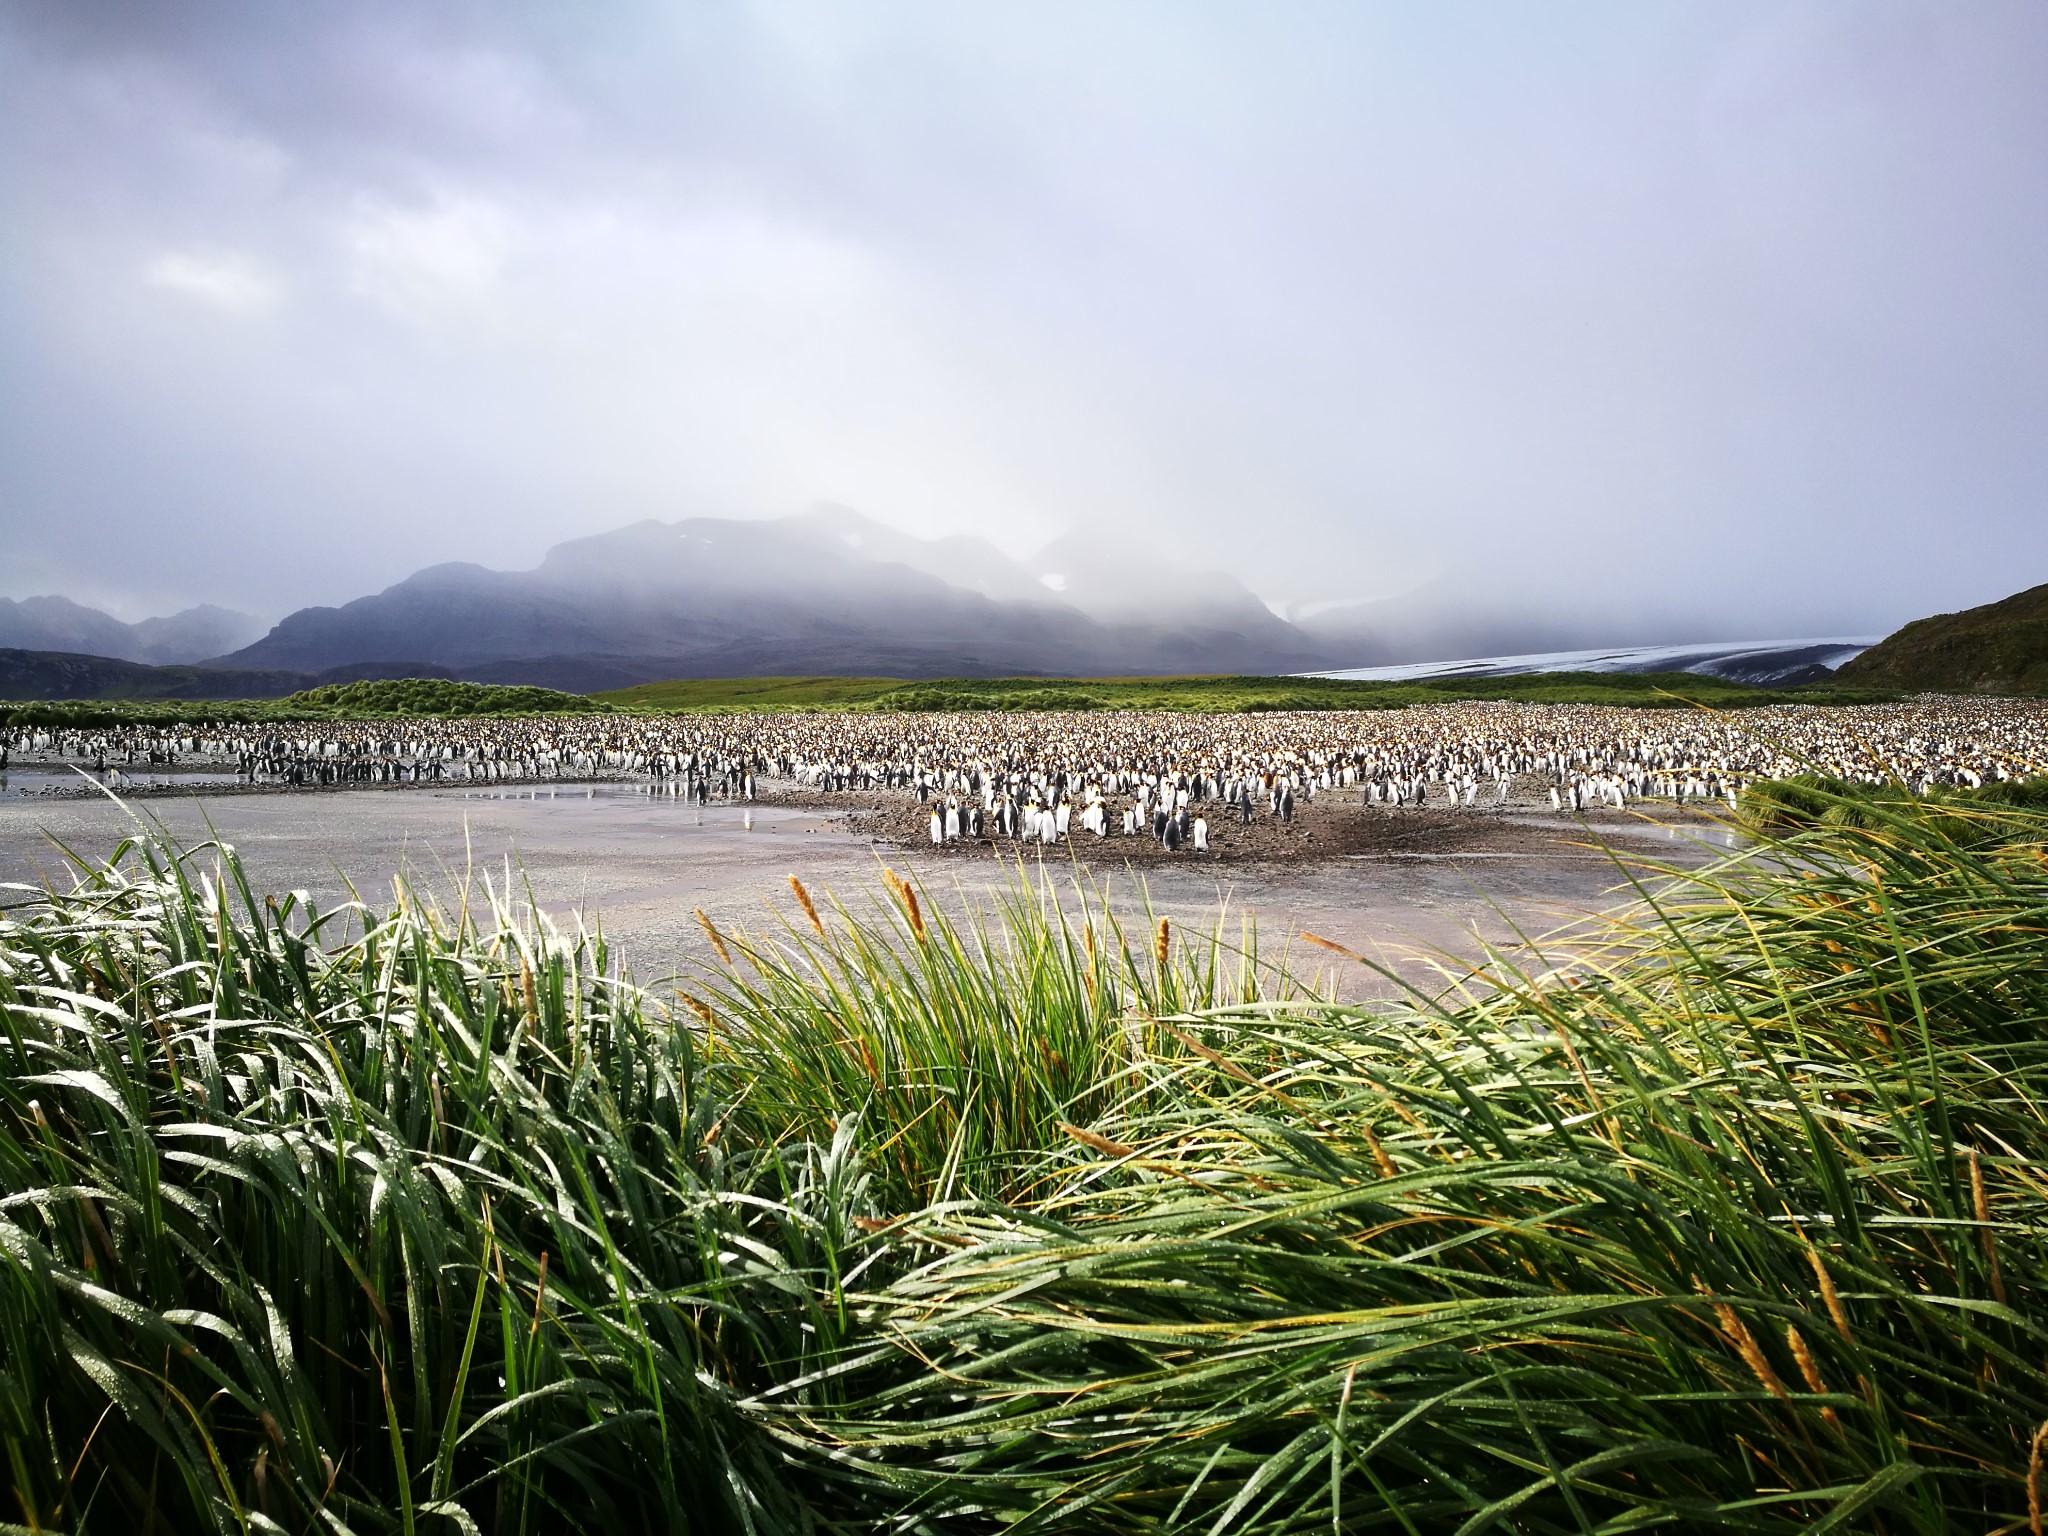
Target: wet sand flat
pixel 639 864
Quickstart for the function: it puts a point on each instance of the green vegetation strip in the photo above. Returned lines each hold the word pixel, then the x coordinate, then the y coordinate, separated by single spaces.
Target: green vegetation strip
pixel 436 696
pixel 1214 694
pixel 1727 1213
pixel 415 697
pixel 1205 695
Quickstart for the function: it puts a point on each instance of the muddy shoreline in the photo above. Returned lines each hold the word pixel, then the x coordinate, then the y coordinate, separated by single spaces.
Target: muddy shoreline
pixel 1334 825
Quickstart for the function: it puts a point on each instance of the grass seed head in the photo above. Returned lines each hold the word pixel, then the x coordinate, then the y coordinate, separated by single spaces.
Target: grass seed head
pixel 2035 1456
pixel 1829 1294
pixel 1753 1356
pixel 803 899
pixel 1982 1207
pixel 908 897
pixel 717 940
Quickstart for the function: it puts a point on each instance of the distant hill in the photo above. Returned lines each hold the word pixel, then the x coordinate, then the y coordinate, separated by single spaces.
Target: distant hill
pixel 67 675
pixel 827 593
pixel 193 635
pixel 59 624
pixel 2001 647
pixel 52 675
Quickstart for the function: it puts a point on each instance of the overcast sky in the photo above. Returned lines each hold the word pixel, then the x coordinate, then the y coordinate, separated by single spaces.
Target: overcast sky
pixel 1725 307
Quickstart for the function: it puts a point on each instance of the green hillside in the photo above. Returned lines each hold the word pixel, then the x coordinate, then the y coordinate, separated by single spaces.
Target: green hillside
pixel 437 696
pixel 1999 648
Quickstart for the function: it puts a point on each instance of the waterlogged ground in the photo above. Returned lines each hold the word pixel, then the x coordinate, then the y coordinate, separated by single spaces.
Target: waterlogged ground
pixel 43 781
pixel 639 864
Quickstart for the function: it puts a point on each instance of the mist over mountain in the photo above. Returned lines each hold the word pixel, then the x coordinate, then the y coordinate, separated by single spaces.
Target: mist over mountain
pixel 828 592
pixel 834 592
pixel 1111 579
pixel 831 592
pixel 59 624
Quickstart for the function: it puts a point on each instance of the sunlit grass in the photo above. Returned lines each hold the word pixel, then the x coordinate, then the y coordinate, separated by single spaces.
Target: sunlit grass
pixel 303 1234
pixel 1734 1218
pixel 960 1045
pixel 1727 1213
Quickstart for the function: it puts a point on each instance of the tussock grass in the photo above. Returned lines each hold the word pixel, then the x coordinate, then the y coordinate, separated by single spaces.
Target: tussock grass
pixel 425 1230
pixel 1727 1213
pixel 417 697
pixel 1734 1220
pixel 1969 815
pixel 960 1045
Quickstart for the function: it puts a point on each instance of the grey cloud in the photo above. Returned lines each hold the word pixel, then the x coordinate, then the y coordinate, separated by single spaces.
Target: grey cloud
pixel 1724 312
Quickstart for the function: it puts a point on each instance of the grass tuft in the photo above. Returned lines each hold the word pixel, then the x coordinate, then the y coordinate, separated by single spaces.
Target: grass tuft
pixel 956 1046
pixel 423 1229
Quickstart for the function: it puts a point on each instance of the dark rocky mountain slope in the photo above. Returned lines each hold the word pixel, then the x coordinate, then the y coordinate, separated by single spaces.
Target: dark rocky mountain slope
pixel 2001 647
pixel 827 594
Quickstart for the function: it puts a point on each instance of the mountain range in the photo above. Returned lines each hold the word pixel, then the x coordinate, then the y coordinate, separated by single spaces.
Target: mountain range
pixel 59 624
pixel 828 592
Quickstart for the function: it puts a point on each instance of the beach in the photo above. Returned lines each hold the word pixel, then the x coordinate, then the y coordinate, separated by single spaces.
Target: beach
pixel 1398 886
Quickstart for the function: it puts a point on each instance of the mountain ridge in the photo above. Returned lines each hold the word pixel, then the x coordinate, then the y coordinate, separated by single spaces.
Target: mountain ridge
pixel 829 592
pixel 712 597
pixel 60 625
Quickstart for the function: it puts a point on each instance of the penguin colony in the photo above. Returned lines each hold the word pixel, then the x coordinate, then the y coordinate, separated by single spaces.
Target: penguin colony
pixel 1049 777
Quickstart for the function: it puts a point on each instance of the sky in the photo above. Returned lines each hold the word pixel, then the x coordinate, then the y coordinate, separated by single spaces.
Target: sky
pixel 1730 312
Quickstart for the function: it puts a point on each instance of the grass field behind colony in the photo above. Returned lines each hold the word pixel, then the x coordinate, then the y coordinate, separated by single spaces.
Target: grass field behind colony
pixel 1219 695
pixel 442 698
